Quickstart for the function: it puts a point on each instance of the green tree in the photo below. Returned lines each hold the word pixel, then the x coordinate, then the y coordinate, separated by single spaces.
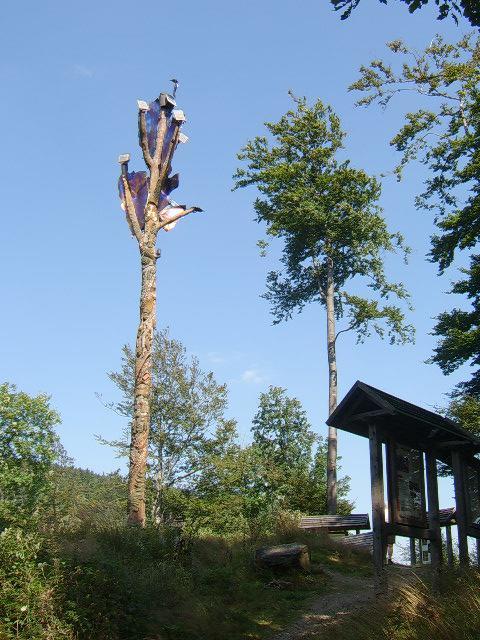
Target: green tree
pixel 327 214
pixel 28 448
pixel 233 495
pixel 444 134
pixel 283 437
pixel 465 409
pixel 282 432
pixel 188 424
pixel 100 499
pixel 469 9
pixel 293 474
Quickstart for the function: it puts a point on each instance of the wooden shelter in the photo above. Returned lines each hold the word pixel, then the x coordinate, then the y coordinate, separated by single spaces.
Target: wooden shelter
pixel 415 439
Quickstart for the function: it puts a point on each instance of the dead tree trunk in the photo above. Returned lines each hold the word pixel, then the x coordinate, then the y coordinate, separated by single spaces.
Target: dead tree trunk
pixel 332 391
pixel 149 209
pixel 143 386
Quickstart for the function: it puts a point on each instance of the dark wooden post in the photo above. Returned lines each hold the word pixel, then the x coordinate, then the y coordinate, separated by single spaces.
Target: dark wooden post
pixel 420 547
pixel 378 508
pixel 461 507
pixel 448 533
pixel 433 512
pixel 478 551
pixel 413 552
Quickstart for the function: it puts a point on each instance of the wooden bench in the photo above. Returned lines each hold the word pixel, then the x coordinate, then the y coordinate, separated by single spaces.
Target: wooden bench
pixel 336 524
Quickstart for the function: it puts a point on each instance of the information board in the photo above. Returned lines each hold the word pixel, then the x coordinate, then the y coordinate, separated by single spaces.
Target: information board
pixel 407 479
pixel 472 486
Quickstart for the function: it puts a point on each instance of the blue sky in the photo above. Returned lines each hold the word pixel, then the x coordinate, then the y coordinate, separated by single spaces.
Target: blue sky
pixel 70 76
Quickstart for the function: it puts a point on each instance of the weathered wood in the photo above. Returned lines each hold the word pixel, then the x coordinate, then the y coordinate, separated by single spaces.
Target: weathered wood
pixel 335 523
pixel 472 531
pixel 332 389
pixel 449 544
pixel 433 514
pixel 461 511
pixel 420 547
pixel 363 541
pixel 378 508
pixel 293 555
pixel 409 532
pixel 159 166
pixel 413 552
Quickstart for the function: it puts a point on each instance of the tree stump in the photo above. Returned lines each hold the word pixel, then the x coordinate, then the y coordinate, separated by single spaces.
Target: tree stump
pixel 284 556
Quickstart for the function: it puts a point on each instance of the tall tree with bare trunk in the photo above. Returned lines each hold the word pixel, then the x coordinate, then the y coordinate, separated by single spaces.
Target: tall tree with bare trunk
pixel 145 197
pixel 328 216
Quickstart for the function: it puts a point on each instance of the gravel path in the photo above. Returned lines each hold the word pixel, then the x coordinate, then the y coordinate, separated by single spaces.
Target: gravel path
pixel 348 594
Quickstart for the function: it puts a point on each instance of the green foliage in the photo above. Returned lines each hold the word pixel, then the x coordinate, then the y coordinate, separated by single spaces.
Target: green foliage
pixel 465 409
pixel 446 138
pixel 470 9
pixel 325 211
pixel 188 425
pixel 281 431
pixel 99 500
pixel 293 477
pixel 28 449
pixel 459 331
pixel 31 605
pixel 124 584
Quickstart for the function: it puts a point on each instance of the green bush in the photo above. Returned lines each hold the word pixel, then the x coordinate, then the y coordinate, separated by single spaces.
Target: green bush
pixel 31 605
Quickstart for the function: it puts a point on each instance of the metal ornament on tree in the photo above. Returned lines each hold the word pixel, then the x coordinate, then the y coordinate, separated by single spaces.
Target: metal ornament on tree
pixel 145 198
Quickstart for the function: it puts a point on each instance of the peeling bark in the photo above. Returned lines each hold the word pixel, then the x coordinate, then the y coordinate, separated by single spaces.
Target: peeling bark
pixel 332 391
pixel 143 386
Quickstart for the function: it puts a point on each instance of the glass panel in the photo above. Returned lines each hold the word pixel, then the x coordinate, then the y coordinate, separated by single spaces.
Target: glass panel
pixel 473 496
pixel 409 486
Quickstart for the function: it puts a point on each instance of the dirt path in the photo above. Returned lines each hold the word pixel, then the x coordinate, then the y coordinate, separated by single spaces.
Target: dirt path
pixel 348 594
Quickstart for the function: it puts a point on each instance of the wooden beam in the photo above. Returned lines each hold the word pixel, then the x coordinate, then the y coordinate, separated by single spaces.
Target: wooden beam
pixel 461 510
pixel 448 532
pixel 378 508
pixel 473 531
pixel 433 515
pixel 365 415
pixel 413 553
pixel 447 444
pixel 408 531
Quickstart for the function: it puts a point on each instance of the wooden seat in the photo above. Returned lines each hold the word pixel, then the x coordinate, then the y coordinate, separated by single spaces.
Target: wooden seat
pixel 335 523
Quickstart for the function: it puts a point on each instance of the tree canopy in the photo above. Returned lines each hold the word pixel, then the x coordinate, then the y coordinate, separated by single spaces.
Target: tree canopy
pixel 29 446
pixel 187 416
pixel 443 132
pixel 293 457
pixel 469 9
pixel 322 208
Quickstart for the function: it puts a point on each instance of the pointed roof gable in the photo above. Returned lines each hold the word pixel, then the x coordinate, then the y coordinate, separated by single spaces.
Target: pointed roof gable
pixel 404 421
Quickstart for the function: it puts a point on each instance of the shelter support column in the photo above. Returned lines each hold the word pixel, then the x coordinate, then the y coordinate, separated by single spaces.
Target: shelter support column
pixel 433 512
pixel 378 508
pixel 448 534
pixel 461 507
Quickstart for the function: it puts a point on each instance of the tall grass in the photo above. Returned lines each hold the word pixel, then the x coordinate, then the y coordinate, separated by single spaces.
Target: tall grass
pixel 415 612
pixel 106 582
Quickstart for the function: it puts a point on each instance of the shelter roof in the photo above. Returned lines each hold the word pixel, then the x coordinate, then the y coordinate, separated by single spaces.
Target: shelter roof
pixel 407 423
